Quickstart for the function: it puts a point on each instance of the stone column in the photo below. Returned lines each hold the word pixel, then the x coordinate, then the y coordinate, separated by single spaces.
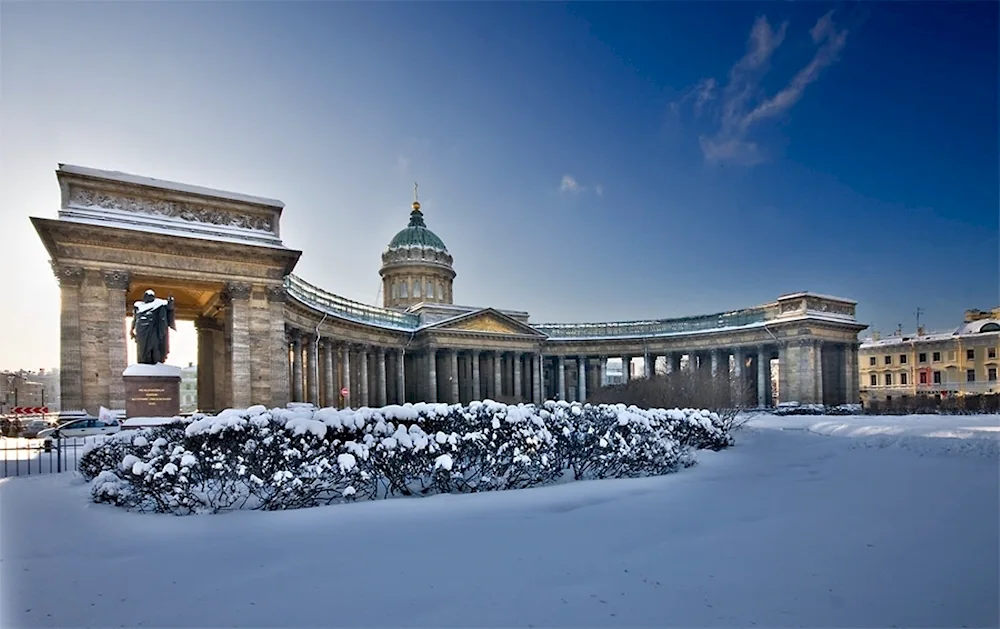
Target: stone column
pixel 280 386
pixel 117 283
pixel 517 378
pixel 626 368
pixel 331 387
pixel 297 379
pixel 603 370
pixel 738 387
pixel 380 386
pixel 432 388
pixel 497 375
pixel 70 355
pixel 345 374
pixel 851 384
pixel 715 363
pixel 401 377
pixel 817 387
pixel 647 372
pixel 239 316
pixel 536 379
pixel 453 375
pixel 763 384
pixel 363 376
pixel 561 387
pixel 206 368
pixel 312 369
pixel 581 378
pixel 476 390
pixel 670 363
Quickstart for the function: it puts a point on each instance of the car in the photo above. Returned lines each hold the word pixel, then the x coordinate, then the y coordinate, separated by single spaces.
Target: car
pixel 33 427
pixel 86 427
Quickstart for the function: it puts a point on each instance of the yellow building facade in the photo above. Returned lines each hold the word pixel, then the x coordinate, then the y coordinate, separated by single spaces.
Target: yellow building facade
pixel 947 364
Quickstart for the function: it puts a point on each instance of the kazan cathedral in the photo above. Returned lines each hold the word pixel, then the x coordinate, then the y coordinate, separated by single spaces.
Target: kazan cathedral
pixel 267 336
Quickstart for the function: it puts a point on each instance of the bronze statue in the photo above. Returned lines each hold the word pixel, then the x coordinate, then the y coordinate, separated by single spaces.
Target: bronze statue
pixel 150 319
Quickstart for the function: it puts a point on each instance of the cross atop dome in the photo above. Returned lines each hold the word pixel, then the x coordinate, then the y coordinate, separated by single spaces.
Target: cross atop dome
pixel 416 203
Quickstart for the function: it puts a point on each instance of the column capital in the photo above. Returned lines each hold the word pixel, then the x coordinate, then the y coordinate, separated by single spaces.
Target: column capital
pixel 276 294
pixel 379 350
pixel 117 279
pixel 207 323
pixel 68 275
pixel 238 290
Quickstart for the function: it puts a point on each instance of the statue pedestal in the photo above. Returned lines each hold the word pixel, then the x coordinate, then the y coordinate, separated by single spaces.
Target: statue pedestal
pixel 152 390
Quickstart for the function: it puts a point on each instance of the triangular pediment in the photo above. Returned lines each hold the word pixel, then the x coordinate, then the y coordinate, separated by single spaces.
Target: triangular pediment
pixel 489 321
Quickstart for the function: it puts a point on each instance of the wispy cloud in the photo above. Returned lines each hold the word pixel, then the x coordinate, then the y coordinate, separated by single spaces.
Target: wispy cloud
pixel 743 104
pixel 569 185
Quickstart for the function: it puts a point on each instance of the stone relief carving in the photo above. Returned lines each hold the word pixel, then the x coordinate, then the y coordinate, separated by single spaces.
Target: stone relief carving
pixel 235 290
pixel 119 280
pixel 169 209
pixel 790 306
pixel 820 305
pixel 485 324
pixel 276 293
pixel 68 275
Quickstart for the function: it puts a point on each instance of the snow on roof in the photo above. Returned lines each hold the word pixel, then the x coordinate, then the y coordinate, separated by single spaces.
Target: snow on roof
pixel 114 175
pixel 817 295
pixel 966 329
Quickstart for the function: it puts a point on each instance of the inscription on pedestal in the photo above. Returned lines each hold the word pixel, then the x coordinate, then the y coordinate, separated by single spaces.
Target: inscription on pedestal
pixel 152 396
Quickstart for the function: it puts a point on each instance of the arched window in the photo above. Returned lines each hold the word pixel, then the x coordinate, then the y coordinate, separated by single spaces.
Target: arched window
pixel 404 291
pixel 990 327
pixel 430 289
pixel 395 290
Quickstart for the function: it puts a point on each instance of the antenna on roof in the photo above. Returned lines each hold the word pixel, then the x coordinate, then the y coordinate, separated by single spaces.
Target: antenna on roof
pixel 920 311
pixel 899 329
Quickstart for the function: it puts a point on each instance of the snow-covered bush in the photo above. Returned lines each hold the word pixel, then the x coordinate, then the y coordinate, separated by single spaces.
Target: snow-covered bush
pixel 301 456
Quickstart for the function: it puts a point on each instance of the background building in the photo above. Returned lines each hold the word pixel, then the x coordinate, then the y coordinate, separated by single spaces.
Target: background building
pixel 960 362
pixel 28 388
pixel 189 388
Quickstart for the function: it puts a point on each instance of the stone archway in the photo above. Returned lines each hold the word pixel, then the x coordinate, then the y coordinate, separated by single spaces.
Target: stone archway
pixel 218 253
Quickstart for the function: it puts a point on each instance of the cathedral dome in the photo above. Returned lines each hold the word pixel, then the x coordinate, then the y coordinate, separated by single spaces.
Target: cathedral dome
pixel 416 266
pixel 416 234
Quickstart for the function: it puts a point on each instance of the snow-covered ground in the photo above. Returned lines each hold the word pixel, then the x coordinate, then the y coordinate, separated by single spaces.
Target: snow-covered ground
pixel 808 521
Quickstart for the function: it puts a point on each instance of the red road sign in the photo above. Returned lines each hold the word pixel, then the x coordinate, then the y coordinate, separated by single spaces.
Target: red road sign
pixel 30 410
pixel 345 392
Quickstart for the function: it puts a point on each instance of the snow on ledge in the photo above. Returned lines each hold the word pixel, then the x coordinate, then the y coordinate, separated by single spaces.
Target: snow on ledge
pixel 159 371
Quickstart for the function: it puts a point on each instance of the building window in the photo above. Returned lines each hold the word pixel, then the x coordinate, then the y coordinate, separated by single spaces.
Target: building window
pixel 417 283
pixel 404 289
pixel 922 357
pixel 902 359
pixel 888 379
pixel 902 378
pixel 951 355
pixel 871 361
pixel 991 352
pixel 936 357
pixel 970 354
pixel 970 375
pixel 430 289
pixel 991 374
pixel 874 380
pixel 923 377
pixel 888 359
pixel 937 377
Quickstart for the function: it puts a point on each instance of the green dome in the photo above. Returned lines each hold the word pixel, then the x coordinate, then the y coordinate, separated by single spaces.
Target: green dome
pixel 416 234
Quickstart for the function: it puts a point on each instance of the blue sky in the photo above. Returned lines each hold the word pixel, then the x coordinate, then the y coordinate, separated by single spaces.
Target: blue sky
pixel 582 162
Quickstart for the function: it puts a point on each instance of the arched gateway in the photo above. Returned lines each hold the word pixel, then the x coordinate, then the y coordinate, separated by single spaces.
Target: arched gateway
pixel 268 337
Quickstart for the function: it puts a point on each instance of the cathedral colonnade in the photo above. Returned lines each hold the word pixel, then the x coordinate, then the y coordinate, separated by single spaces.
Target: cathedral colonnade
pixel 266 336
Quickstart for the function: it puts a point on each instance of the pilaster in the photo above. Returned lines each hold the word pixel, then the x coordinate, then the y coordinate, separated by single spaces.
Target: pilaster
pixel 345 374
pixel 603 370
pixel 278 345
pixel 363 376
pixel 70 354
pixel 298 394
pixel 239 318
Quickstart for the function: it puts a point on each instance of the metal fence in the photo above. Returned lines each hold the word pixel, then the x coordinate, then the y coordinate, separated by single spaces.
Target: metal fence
pixel 26 457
